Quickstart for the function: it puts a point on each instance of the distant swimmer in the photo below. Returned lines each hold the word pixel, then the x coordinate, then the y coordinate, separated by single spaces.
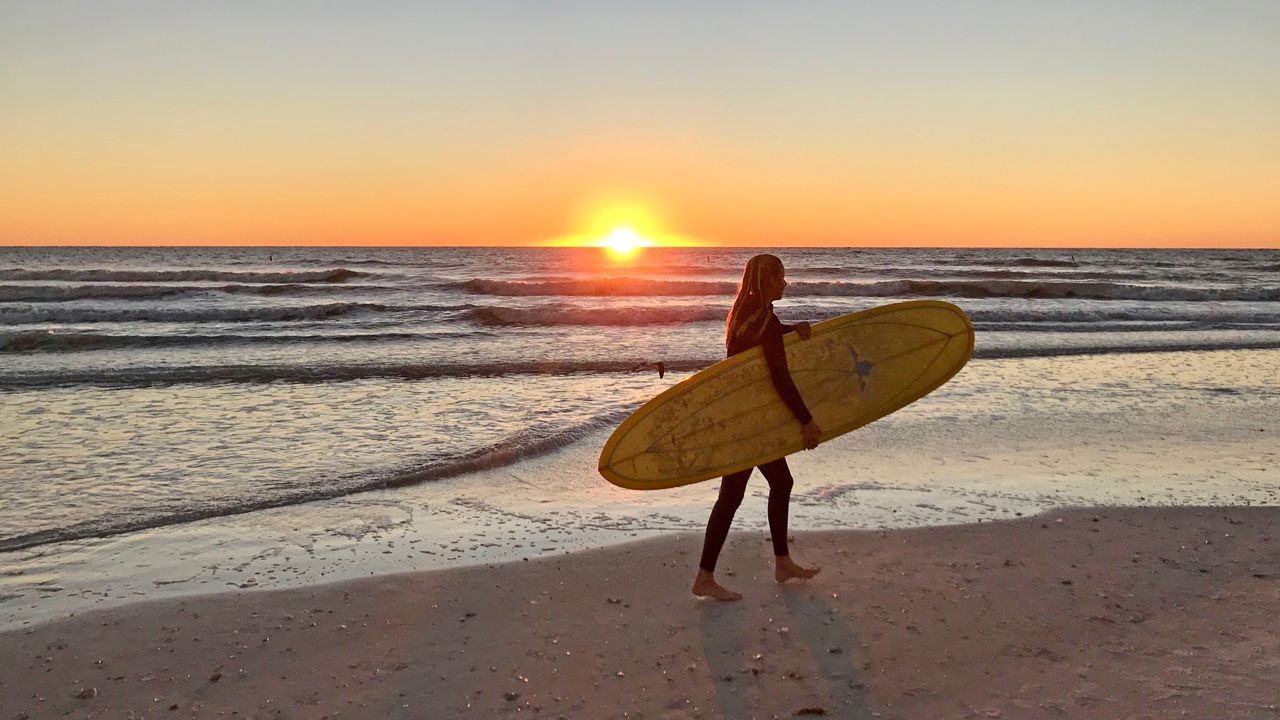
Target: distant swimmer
pixel 661 366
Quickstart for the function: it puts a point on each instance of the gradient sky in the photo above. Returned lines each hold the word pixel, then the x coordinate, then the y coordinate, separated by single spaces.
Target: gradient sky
pixel 749 123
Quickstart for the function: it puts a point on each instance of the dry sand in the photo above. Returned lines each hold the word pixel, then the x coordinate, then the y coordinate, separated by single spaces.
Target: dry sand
pixel 1115 613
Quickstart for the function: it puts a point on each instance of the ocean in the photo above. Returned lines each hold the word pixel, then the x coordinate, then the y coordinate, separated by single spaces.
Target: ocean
pixel 147 387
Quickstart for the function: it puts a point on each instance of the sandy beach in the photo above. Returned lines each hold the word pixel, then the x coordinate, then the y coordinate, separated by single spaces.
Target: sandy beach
pixel 1109 613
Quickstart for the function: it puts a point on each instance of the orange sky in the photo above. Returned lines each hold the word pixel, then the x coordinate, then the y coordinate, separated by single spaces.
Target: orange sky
pixel 1019 127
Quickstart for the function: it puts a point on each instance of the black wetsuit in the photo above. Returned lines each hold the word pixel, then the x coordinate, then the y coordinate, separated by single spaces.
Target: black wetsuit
pixel 733 487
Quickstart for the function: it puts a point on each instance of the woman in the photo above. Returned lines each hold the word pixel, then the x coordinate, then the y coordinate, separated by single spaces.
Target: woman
pixel 752 322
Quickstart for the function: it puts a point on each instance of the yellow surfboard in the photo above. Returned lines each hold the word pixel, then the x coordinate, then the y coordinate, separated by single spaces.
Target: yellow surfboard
pixel 852 370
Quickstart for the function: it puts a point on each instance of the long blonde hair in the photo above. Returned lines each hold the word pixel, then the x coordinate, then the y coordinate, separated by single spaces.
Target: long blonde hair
pixel 751 311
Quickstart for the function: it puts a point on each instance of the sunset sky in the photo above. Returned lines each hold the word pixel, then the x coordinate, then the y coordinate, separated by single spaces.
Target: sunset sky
pixel 769 124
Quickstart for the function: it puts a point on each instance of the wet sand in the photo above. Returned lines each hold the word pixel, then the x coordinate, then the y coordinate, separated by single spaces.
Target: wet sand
pixel 1110 613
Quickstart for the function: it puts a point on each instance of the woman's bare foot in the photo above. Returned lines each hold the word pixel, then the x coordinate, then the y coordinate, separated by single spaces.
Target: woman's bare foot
pixel 705 585
pixel 787 569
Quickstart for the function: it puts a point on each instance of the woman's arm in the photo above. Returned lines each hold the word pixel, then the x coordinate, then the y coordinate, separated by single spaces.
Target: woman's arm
pixel 801 328
pixel 776 357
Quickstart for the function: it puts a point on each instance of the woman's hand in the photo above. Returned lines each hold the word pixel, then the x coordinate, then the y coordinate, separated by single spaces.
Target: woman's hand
pixel 803 330
pixel 811 434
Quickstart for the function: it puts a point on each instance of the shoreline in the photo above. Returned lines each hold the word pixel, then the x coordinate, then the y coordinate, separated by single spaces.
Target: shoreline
pixel 509 454
pixel 1057 434
pixel 1099 613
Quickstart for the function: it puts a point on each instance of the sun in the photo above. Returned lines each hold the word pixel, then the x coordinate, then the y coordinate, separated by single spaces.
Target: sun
pixel 621 227
pixel 624 241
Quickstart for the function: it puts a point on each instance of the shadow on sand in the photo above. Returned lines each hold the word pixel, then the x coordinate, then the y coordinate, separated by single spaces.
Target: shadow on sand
pixel 741 676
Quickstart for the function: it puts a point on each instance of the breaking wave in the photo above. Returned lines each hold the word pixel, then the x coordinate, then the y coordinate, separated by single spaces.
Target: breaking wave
pixel 610 287
pixel 29 314
pixel 102 275
pixel 251 374
pixel 1102 319
pixel 64 293
pixel 603 287
pixel 572 315
pixel 1037 289
pixel 46 341
pixel 135 377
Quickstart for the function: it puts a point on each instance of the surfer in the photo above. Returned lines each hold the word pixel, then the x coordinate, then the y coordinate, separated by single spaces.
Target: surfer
pixel 751 323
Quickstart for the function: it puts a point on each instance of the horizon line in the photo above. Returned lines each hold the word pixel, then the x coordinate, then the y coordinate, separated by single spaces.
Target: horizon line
pixel 659 247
